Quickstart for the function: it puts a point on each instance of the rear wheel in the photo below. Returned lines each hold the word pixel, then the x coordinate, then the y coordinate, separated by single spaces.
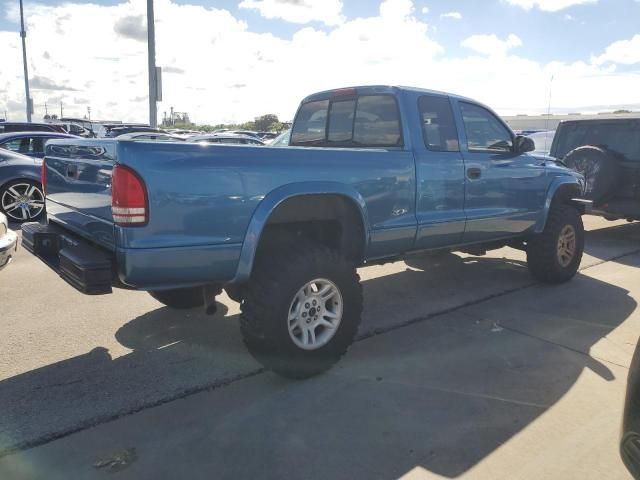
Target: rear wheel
pixel 302 309
pixel 22 200
pixel 554 255
pixel 180 299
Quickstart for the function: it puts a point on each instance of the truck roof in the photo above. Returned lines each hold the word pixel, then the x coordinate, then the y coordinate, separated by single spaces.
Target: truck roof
pixel 389 89
pixel 612 118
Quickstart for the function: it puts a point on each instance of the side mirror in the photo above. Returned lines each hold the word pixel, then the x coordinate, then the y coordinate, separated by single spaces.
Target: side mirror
pixel 524 144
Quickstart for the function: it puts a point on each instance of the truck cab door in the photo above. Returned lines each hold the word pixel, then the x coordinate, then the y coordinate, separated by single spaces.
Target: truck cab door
pixel 440 175
pixel 505 189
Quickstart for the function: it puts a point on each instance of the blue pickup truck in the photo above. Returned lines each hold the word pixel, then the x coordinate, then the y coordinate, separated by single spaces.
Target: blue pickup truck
pixel 371 175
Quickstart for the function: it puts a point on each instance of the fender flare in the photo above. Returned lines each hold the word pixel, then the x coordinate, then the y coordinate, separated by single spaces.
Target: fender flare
pixel 273 200
pixel 559 183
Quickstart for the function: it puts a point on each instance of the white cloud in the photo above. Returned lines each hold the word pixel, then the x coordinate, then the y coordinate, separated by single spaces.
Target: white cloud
pixel 549 5
pixel 491 45
pixel 452 15
pixel 398 9
pixel 328 12
pixel 425 10
pixel 625 52
pixel 218 70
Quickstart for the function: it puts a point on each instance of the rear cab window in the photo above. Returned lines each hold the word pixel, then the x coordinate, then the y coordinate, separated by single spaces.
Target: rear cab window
pixel 355 121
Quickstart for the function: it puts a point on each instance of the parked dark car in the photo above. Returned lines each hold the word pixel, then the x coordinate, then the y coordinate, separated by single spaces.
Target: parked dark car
pixel 21 194
pixel 8 242
pixel 7 127
pixel 228 138
pixel 29 143
pixel 117 131
pixel 607 152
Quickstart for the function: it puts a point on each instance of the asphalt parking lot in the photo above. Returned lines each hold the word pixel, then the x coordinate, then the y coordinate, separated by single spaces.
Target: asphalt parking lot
pixel 464 368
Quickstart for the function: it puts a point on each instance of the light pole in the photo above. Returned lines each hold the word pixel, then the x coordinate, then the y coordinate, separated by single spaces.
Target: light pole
pixel 23 34
pixel 153 84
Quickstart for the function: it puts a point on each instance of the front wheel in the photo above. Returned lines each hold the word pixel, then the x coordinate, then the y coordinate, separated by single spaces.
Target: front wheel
pixel 302 310
pixel 554 255
pixel 180 299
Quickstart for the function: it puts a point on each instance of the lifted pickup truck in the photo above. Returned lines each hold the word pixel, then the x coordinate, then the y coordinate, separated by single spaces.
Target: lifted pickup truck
pixel 372 174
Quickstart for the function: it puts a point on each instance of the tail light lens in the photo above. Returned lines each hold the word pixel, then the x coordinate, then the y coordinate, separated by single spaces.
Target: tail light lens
pixel 129 203
pixel 43 175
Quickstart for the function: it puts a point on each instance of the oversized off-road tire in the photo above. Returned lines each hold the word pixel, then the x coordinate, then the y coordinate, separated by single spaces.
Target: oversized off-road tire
pixel 302 309
pixel 180 299
pixel 554 255
pixel 600 168
pixel 22 200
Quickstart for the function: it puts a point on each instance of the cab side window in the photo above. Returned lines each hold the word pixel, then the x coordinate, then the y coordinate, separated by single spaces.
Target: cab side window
pixel 484 131
pixel 438 125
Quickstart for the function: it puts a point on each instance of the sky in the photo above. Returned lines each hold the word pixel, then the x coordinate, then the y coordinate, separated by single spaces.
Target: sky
pixel 232 60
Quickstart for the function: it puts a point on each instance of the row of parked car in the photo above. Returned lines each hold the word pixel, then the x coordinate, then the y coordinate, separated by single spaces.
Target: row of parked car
pixel 22 147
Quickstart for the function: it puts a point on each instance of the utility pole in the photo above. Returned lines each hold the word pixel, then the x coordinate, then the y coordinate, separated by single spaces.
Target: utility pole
pixel 61 115
pixel 23 34
pixel 153 84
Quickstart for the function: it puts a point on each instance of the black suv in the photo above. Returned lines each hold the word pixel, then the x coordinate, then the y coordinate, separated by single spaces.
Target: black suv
pixel 607 153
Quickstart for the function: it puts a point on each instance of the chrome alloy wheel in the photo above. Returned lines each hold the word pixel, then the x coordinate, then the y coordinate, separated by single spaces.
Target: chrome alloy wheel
pixel 22 201
pixel 315 314
pixel 566 246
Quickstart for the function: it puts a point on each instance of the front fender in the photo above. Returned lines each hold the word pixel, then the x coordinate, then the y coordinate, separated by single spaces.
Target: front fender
pixel 573 185
pixel 271 202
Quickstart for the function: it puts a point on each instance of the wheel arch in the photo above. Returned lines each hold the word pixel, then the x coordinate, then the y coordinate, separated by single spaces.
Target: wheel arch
pixel 562 189
pixel 19 175
pixel 300 203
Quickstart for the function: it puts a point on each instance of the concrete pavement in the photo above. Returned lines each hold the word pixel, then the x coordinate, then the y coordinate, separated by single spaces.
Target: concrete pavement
pixel 466 367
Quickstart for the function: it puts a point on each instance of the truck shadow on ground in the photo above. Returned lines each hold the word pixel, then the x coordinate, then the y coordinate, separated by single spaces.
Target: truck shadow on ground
pixel 442 395
pixel 599 243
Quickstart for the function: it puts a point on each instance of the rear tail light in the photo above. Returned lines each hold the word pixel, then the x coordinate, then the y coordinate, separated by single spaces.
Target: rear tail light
pixel 43 175
pixel 129 203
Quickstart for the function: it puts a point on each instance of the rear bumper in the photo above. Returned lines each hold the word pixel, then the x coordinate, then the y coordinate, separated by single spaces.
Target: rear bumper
pixel 628 209
pixel 8 246
pixel 86 267
pixel 94 270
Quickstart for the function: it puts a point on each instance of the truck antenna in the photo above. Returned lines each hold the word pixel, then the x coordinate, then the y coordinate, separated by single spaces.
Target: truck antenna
pixel 546 128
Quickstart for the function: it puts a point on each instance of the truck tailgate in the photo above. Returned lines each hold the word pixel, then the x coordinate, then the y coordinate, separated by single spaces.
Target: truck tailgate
pixel 78 187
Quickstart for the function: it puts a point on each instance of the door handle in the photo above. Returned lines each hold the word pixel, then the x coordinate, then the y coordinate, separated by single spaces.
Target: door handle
pixel 72 171
pixel 474 173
